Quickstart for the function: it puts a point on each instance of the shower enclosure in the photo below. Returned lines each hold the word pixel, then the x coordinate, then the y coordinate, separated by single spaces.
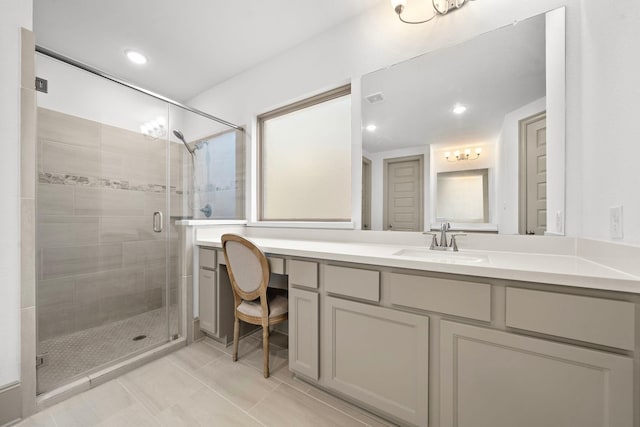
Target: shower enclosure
pixel 112 180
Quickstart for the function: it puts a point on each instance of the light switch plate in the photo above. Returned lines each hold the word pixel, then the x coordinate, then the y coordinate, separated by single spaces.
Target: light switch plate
pixel 615 222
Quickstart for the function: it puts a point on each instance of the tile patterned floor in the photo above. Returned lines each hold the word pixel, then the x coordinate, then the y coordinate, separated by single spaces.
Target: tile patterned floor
pixel 199 385
pixel 73 355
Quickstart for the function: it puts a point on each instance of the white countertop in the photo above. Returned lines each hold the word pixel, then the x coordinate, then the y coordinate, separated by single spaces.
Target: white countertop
pixel 566 270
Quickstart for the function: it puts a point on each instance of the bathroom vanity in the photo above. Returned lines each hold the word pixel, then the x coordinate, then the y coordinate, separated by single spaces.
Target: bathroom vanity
pixel 470 339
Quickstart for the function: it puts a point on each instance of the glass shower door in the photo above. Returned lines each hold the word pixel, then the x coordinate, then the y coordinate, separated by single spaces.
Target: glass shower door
pixel 107 259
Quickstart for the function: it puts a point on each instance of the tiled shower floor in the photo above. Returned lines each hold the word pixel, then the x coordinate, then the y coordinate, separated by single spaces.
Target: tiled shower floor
pixel 71 356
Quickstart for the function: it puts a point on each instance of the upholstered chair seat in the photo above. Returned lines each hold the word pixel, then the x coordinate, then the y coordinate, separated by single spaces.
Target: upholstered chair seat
pixel 249 275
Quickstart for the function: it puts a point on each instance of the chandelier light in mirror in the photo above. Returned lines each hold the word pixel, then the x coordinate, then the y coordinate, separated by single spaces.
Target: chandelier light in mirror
pixel 155 128
pixel 440 7
pixel 462 155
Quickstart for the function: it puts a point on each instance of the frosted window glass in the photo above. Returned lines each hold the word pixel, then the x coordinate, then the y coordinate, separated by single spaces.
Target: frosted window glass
pixel 306 163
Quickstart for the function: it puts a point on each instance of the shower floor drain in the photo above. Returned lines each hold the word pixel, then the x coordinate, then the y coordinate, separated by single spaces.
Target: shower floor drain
pixel 139 337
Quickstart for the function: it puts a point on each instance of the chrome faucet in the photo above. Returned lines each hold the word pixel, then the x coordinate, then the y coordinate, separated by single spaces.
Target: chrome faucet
pixel 444 245
pixel 444 227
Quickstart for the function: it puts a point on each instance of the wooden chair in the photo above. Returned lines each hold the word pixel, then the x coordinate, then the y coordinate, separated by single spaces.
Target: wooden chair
pixel 249 274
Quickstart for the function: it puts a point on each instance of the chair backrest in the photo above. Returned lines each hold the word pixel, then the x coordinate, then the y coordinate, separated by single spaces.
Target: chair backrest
pixel 247 267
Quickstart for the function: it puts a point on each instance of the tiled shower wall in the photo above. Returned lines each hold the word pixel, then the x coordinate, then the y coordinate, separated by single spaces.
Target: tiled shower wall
pixel 99 258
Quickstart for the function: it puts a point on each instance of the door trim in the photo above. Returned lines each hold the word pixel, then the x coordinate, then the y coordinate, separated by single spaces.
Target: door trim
pixel 385 184
pixel 366 189
pixel 522 169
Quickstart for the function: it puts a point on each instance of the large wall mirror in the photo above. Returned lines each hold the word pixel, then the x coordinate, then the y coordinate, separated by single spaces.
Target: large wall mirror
pixel 485 116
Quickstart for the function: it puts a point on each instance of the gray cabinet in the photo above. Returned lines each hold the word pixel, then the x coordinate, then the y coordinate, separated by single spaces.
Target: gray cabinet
pixel 215 300
pixel 491 378
pixel 207 282
pixel 377 356
pixel 303 333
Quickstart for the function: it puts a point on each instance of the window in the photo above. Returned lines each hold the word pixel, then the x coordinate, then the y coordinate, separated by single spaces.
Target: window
pixel 305 159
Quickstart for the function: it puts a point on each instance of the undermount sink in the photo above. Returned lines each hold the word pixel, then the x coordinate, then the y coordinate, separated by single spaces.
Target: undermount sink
pixel 442 256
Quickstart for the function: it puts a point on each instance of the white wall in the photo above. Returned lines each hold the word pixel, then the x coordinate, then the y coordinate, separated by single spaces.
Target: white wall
pixel 508 163
pixel 377 39
pixel 13 15
pixel 610 145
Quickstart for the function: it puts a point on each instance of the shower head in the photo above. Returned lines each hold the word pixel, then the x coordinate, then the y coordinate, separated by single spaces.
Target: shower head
pixel 180 136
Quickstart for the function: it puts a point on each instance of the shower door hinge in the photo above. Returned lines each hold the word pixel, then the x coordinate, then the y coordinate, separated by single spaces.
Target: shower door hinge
pixel 42 85
pixel 42 360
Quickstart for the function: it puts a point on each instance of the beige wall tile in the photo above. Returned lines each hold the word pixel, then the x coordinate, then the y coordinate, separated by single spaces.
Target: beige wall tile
pixel 55 199
pixel 56 291
pixel 28 58
pixel 27 252
pixel 60 127
pixel 112 165
pixel 144 253
pixel 27 360
pixel 108 202
pixel 55 320
pixel 56 231
pixel 126 229
pixel 57 262
pixel 121 141
pixel 28 143
pixel 70 159
pixel 111 256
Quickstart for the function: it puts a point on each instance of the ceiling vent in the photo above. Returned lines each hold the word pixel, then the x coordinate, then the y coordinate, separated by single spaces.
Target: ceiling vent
pixel 374 98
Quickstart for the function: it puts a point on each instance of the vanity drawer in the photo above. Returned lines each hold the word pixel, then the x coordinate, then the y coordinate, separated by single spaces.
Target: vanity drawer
pixel 208 258
pixel 352 282
pixel 276 265
pixel 303 273
pixel 455 297
pixel 595 320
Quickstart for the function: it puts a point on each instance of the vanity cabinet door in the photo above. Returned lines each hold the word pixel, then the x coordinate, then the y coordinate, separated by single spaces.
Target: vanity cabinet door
pixel 491 378
pixel 303 332
pixel 207 301
pixel 377 356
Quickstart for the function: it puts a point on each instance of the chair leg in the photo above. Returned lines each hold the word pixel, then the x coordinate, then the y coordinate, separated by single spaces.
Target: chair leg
pixel 236 337
pixel 265 349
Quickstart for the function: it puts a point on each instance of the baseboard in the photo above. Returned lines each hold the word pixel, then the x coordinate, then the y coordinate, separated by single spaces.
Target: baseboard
pixel 10 404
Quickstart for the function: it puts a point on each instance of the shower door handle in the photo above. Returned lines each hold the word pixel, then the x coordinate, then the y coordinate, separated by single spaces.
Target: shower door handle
pixel 157 222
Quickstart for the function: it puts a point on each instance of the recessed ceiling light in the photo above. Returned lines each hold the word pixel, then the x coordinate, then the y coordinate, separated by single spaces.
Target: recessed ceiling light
pixel 135 57
pixel 459 109
pixel 371 127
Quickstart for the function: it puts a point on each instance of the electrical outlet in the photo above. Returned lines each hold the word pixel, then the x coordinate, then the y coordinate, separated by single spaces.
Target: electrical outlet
pixel 615 222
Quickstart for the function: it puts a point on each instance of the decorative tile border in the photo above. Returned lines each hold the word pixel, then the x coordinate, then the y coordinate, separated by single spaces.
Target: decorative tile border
pixel 88 181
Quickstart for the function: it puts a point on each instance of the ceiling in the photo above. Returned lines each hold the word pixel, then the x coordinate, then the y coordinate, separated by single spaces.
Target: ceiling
pixel 492 74
pixel 191 45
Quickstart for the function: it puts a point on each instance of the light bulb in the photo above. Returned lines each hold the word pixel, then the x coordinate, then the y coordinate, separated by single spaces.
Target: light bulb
pixel 371 127
pixel 467 151
pixel 135 57
pixel 456 153
pixel 447 154
pixel 459 109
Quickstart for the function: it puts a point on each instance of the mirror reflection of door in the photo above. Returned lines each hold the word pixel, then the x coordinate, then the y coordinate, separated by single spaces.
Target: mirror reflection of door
pixel 403 190
pixel 533 175
pixel 366 194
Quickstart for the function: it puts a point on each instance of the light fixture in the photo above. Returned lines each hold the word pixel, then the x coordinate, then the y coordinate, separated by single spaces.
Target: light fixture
pixel 371 127
pixel 155 128
pixel 440 7
pixel 464 155
pixel 136 57
pixel 459 109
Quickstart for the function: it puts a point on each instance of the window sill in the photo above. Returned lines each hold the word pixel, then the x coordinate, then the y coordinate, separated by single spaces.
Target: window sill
pixel 303 224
